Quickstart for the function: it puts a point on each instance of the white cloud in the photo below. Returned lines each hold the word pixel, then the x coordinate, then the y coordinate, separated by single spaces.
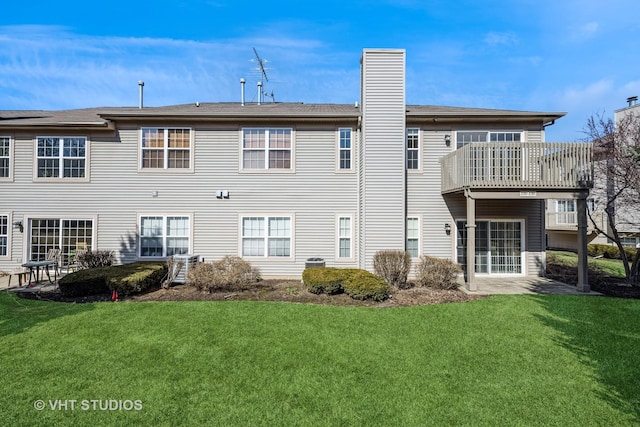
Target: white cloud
pixel 501 39
pixel 584 31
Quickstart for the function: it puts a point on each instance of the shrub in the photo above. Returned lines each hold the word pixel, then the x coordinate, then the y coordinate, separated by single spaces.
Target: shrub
pixel 392 266
pixel 365 285
pixel 325 280
pixel 94 259
pixel 437 273
pixel 231 273
pixel 126 279
pixel 609 251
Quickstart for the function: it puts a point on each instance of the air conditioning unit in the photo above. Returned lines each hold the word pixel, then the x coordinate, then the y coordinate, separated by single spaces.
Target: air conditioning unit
pixel 187 261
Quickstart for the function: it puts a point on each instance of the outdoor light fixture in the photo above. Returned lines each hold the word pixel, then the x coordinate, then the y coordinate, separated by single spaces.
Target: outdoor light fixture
pixel 447 228
pixel 447 139
pixel 18 225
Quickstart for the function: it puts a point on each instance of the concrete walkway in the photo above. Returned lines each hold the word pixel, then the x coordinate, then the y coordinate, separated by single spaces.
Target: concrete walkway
pixel 523 285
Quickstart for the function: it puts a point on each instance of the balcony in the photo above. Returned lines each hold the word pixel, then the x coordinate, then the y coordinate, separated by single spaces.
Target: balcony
pixel 522 166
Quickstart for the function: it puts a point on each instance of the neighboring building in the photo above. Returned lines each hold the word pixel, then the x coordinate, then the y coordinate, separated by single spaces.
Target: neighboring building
pixel 279 183
pixel 561 220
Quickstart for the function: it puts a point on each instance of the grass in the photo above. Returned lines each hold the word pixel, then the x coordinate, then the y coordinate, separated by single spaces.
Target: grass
pixel 610 267
pixel 504 360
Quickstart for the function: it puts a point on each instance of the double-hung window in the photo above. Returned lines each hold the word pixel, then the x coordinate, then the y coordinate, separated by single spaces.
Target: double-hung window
pixel 266 236
pixel 164 235
pixel 5 157
pixel 4 235
pixel 64 157
pixel 413 148
pixel 566 211
pixel 413 236
pixel 345 233
pixel 264 148
pixel 166 148
pixel 345 148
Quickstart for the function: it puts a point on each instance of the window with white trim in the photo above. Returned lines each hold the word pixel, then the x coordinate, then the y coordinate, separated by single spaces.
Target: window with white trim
pixel 266 236
pixel 4 235
pixel 266 148
pixel 345 148
pixel 465 137
pixel 5 157
pixel 164 235
pixel 566 211
pixel 165 148
pixel 61 157
pixel 413 236
pixel 413 148
pixel 344 237
pixel 68 234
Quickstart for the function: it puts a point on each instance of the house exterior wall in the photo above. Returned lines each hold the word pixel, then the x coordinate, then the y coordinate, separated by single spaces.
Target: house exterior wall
pixel 314 193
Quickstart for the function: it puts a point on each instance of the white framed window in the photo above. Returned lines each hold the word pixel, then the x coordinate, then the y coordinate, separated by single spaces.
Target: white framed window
pixel 266 236
pixel 61 157
pixel 345 237
pixel 413 236
pixel 466 137
pixel 67 234
pixel 566 211
pixel 4 235
pixel 266 148
pixel 5 158
pixel 164 235
pixel 413 148
pixel 344 154
pixel 165 149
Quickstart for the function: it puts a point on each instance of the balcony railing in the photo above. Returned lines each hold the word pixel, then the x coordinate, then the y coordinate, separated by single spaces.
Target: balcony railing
pixel 518 165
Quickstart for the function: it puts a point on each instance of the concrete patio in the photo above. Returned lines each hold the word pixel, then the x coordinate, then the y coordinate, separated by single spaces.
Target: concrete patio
pixel 522 285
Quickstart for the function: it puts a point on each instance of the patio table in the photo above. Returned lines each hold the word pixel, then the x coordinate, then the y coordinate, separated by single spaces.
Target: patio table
pixel 35 265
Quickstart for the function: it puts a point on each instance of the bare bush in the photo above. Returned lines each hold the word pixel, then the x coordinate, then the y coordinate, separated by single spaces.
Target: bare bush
pixel 231 273
pixel 94 259
pixel 437 273
pixel 392 266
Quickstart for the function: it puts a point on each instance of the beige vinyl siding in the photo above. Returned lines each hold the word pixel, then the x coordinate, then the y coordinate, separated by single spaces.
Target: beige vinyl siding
pixel 424 196
pixel 117 194
pixel 383 102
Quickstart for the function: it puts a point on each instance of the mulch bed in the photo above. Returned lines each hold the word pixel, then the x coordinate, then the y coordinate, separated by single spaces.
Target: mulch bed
pixel 272 290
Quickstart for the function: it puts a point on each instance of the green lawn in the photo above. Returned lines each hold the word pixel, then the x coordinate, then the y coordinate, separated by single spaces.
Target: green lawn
pixel 504 360
pixel 610 267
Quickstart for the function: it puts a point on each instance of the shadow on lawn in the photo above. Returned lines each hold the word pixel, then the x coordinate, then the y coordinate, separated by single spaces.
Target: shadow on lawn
pixel 17 315
pixel 605 335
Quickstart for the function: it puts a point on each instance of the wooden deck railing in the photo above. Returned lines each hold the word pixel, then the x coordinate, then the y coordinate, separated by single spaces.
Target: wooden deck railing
pixel 513 165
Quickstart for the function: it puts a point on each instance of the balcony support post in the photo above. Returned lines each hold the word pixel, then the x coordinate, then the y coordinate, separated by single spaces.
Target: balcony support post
pixel 583 270
pixel 470 274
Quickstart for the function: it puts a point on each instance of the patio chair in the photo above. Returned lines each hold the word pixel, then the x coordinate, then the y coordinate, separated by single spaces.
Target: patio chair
pixel 54 255
pixel 74 265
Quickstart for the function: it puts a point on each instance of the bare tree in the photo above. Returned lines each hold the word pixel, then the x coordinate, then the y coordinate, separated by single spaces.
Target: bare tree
pixel 617 175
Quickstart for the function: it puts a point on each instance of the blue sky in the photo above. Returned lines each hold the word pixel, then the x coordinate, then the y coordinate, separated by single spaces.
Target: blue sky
pixel 576 56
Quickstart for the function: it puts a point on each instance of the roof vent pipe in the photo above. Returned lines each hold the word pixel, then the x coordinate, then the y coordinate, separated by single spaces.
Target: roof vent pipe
pixel 242 92
pixel 259 93
pixel 632 100
pixel 140 102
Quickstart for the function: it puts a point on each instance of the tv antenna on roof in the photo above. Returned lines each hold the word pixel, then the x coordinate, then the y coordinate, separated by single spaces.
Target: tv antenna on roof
pixel 263 74
pixel 261 67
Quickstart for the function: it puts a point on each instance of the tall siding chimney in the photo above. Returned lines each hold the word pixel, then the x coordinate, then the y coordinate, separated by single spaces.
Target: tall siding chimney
pixel 259 93
pixel 632 100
